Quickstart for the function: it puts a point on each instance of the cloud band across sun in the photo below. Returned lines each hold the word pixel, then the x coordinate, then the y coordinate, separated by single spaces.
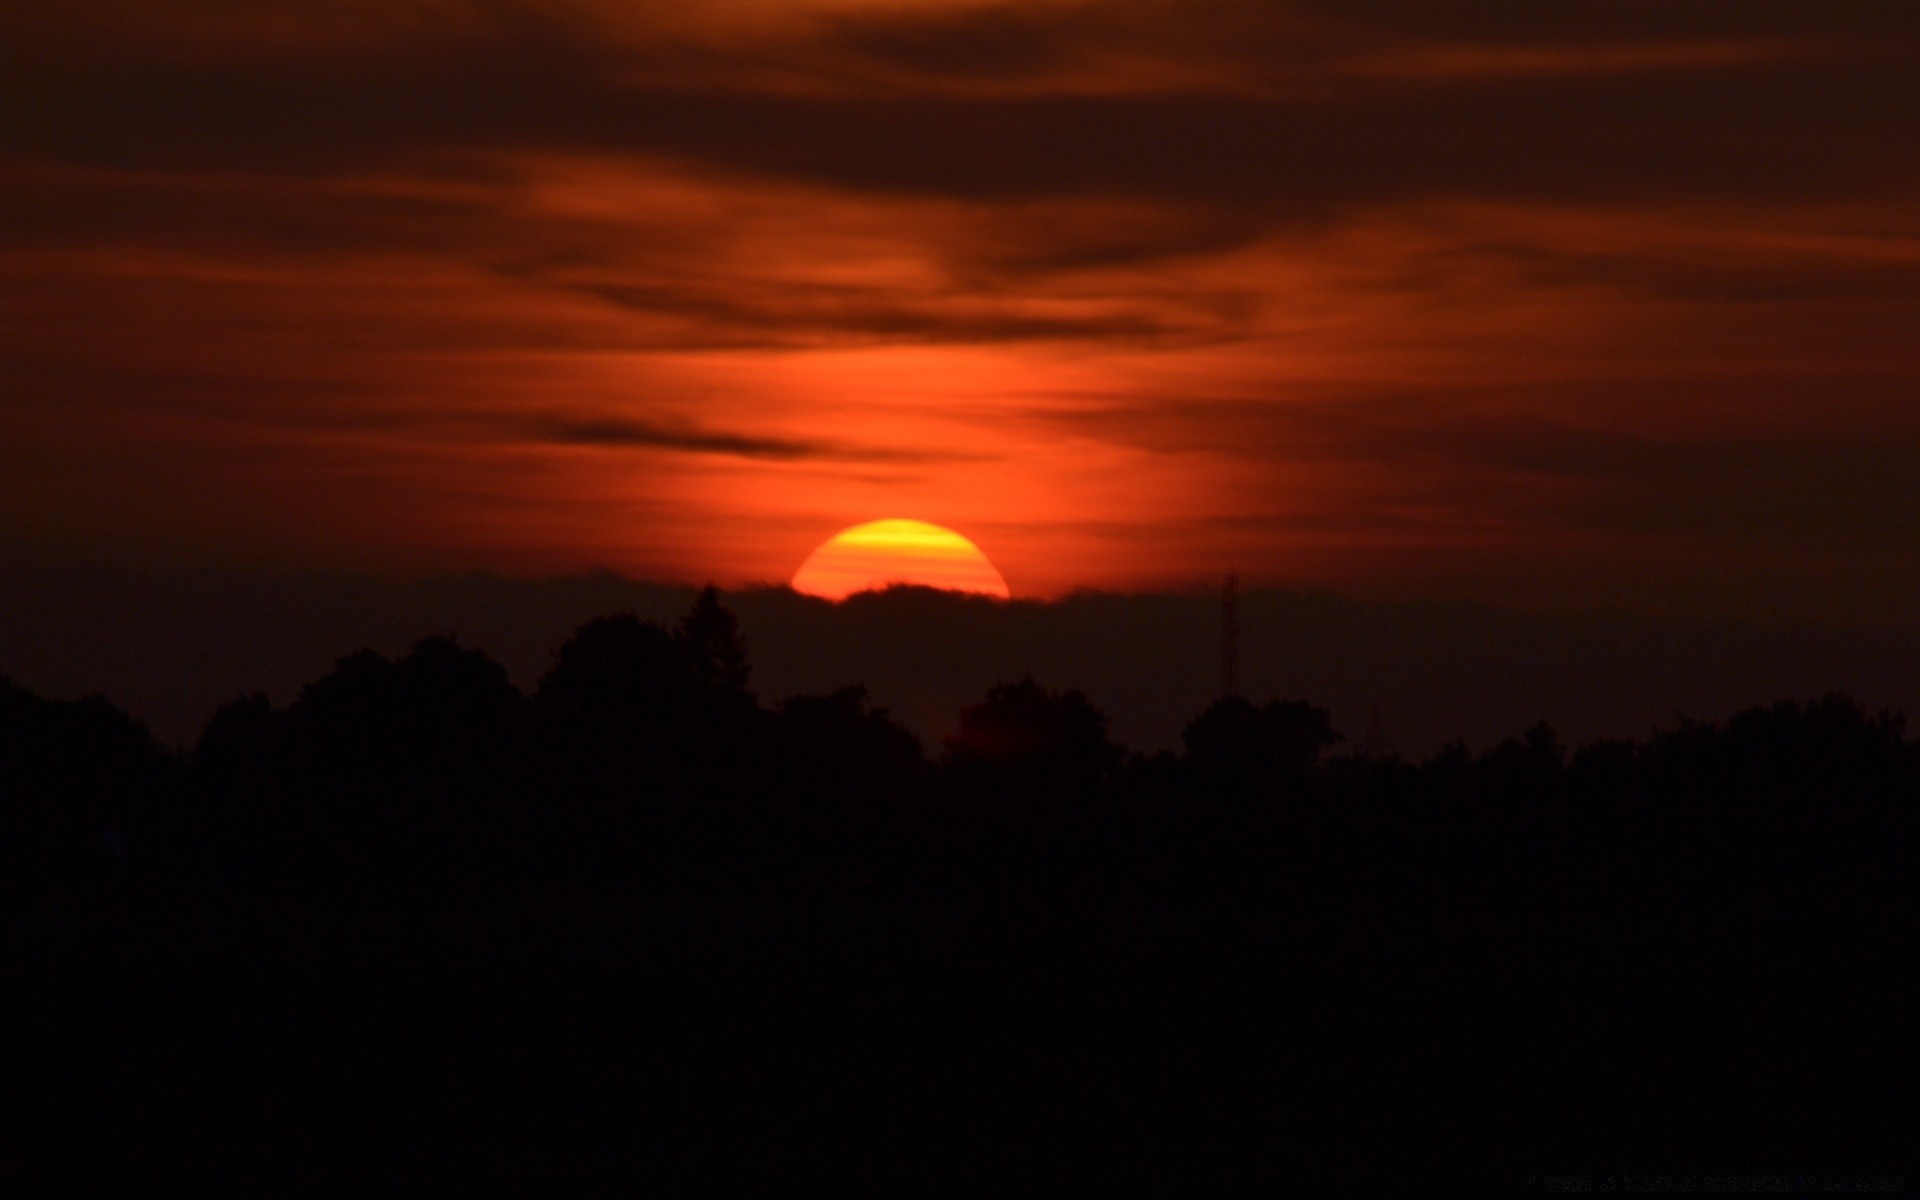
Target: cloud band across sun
pixel 894 552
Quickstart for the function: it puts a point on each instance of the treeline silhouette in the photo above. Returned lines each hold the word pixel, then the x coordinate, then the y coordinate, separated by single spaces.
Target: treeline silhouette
pixel 419 929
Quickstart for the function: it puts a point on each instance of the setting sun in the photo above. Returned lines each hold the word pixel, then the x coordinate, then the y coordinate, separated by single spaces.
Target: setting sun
pixel 879 554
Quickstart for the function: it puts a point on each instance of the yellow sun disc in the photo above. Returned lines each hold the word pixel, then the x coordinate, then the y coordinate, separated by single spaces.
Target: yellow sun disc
pixel 883 553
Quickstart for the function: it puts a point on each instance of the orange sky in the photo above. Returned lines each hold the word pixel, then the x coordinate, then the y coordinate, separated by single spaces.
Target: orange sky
pixel 1543 307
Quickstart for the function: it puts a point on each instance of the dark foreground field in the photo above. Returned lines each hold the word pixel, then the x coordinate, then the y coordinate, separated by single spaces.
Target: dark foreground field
pixel 420 930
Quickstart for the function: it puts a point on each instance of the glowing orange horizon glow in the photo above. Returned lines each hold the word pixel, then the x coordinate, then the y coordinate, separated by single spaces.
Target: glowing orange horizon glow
pixel 881 554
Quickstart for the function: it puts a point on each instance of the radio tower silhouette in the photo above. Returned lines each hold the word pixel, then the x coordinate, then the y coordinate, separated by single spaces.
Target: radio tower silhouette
pixel 1230 637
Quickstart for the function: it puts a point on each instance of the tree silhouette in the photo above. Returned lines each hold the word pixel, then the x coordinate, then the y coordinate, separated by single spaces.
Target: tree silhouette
pixel 387 769
pixel 1528 766
pixel 711 634
pixel 75 778
pixel 651 746
pixel 840 744
pixel 1039 737
pixel 1241 748
pixel 621 669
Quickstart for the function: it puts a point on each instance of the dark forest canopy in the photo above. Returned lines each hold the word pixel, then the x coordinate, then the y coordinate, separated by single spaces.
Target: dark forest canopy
pixel 173 645
pixel 634 714
pixel 641 888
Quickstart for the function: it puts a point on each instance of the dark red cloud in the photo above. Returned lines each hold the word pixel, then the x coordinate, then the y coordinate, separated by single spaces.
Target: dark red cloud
pixel 1497 299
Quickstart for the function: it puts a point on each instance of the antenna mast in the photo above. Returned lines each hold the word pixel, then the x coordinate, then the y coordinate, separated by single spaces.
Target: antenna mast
pixel 1230 636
